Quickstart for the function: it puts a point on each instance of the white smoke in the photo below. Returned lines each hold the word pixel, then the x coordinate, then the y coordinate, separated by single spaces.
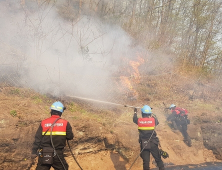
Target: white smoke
pixel 59 57
pixel 45 52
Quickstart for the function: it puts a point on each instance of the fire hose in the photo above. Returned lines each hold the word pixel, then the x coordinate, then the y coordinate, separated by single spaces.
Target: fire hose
pixel 100 101
pixel 74 156
pixel 69 149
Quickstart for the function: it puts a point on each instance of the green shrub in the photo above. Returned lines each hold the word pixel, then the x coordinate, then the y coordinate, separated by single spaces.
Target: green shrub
pixel 15 91
pixel 13 113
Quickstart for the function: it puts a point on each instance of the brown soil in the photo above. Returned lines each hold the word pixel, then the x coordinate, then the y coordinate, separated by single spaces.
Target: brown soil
pixel 98 144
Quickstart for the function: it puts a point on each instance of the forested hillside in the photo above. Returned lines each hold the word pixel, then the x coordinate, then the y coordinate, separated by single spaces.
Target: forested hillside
pixel 101 59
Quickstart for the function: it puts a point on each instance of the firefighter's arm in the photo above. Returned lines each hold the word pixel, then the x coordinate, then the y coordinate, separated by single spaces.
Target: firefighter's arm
pixel 156 121
pixel 69 133
pixel 171 117
pixel 38 138
pixel 135 118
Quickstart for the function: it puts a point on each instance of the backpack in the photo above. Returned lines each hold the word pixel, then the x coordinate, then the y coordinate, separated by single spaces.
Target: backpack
pixel 181 111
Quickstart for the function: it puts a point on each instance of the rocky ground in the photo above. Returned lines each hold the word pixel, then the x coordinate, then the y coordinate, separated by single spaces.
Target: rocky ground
pixel 103 140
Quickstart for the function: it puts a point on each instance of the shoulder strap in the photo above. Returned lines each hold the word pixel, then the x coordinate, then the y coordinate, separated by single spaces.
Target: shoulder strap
pixel 48 130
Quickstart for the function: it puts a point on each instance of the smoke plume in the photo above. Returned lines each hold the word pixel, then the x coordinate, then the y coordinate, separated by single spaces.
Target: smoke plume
pixel 43 51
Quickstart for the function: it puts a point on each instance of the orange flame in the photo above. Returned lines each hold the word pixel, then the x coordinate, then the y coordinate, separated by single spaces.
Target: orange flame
pixel 134 77
pixel 135 65
pixel 126 83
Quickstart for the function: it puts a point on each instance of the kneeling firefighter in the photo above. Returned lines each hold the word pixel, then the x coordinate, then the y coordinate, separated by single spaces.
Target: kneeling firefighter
pixel 50 140
pixel 148 138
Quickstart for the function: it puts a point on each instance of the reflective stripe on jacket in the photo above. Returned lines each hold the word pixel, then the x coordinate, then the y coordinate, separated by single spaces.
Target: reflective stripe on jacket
pixel 147 123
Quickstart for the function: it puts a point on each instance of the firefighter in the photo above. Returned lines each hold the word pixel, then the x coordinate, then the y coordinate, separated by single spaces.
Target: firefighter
pixel 50 140
pixel 180 117
pixel 147 137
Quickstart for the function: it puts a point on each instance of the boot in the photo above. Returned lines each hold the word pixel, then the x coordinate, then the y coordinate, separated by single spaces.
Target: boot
pixel 188 142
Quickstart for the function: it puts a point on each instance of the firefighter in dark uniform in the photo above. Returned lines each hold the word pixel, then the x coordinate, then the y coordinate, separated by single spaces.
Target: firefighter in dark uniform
pixel 180 117
pixel 52 133
pixel 147 137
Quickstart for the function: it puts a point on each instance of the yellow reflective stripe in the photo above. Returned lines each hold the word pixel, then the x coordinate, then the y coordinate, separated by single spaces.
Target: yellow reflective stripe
pixel 57 107
pixel 145 128
pixel 54 133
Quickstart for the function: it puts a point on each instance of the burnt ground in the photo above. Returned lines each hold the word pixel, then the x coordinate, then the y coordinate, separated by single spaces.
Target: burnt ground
pixel 103 140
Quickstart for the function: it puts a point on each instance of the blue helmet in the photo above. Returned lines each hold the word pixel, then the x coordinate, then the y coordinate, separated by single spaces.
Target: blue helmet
pixel 146 109
pixel 172 105
pixel 58 106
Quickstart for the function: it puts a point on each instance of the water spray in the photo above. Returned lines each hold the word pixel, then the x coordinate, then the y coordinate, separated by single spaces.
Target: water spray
pixel 100 101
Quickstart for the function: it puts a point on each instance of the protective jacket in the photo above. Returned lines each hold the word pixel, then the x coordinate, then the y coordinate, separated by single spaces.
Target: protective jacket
pixel 146 126
pixel 60 132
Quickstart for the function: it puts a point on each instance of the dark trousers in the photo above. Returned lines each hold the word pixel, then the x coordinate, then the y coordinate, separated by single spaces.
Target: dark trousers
pixel 145 155
pixel 182 126
pixel 184 132
pixel 57 165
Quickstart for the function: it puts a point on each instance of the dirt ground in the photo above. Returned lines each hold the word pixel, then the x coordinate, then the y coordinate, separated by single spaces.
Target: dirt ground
pixel 97 144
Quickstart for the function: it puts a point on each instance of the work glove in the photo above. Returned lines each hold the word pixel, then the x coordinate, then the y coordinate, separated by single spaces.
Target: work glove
pixel 135 110
pixel 164 154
